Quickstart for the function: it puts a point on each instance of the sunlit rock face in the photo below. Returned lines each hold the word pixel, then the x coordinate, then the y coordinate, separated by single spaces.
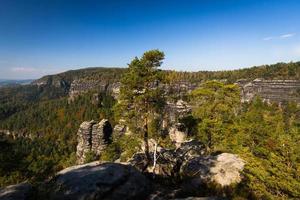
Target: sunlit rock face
pixel 223 169
pixel 192 163
pixel 178 134
pixel 278 91
pixel 81 86
pixel 93 138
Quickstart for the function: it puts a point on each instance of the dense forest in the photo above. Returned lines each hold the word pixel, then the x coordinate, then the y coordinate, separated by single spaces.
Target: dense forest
pixel 266 136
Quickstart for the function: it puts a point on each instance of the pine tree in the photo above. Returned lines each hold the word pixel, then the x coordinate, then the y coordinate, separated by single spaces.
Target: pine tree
pixel 141 98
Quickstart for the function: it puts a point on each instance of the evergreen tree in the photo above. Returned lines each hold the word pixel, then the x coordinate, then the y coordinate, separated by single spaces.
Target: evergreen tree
pixel 141 98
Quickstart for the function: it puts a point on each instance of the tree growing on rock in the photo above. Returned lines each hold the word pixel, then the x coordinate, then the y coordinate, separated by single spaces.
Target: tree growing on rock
pixel 141 99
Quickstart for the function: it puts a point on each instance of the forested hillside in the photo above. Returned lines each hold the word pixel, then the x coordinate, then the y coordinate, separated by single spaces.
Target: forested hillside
pixel 265 135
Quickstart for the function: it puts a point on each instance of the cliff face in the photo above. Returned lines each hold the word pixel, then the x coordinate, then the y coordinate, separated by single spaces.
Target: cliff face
pixel 80 86
pixel 92 138
pixel 271 90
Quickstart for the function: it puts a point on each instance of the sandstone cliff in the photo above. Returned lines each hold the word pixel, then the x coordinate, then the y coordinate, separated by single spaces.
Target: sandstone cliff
pixel 92 138
pixel 271 90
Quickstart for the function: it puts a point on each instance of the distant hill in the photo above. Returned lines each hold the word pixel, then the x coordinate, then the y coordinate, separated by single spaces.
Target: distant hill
pixel 4 82
pixel 274 71
pixel 58 85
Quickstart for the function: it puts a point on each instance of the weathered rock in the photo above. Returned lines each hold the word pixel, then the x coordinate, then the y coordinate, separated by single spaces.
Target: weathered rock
pixel 101 136
pixel 223 169
pixel 190 149
pixel 139 161
pixel 167 164
pixel 92 137
pixel 152 144
pixel 168 161
pixel 178 134
pixel 270 90
pixel 99 181
pixel 176 110
pixel 119 130
pixel 16 192
pixel 84 138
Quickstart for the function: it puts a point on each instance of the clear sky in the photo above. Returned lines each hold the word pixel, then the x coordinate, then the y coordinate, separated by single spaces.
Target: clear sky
pixel 39 37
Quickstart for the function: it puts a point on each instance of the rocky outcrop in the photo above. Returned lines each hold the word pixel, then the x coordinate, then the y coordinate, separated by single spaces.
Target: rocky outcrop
pixel 99 181
pixel 190 162
pixel 92 138
pixel 178 134
pixel 101 136
pixel 16 192
pixel 20 134
pixel 223 169
pixel 119 129
pixel 191 149
pixel 270 90
pixel 81 86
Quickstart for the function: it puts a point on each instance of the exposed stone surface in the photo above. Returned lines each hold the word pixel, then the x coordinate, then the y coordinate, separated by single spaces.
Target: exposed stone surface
pixel 19 134
pixel 168 160
pixel 223 169
pixel 101 136
pixel 176 110
pixel 190 149
pixel 152 144
pixel 84 138
pixel 16 192
pixel 92 137
pixel 80 86
pixel 100 181
pixel 190 162
pixel 271 90
pixel 178 133
pixel 119 129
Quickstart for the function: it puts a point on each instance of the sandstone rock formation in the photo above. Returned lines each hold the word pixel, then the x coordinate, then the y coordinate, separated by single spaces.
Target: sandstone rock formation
pixel 223 169
pixel 92 137
pixel 16 192
pixel 190 162
pixel 270 90
pixel 119 129
pixel 99 181
pixel 178 134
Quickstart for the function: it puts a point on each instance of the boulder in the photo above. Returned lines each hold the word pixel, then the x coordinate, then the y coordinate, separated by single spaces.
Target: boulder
pixel 168 160
pixel 99 181
pixel 166 164
pixel 16 192
pixel 190 149
pixel 223 169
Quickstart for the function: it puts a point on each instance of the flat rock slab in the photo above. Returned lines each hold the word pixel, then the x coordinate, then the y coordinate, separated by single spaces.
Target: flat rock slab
pixel 99 181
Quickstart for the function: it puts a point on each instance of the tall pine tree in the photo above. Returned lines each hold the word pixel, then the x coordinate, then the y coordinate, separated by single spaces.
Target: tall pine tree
pixel 141 98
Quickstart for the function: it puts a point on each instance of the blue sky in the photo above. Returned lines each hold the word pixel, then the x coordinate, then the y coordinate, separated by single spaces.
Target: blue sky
pixel 39 37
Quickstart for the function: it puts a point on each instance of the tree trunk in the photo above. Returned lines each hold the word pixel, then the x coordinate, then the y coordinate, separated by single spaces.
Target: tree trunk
pixel 154 159
pixel 145 137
